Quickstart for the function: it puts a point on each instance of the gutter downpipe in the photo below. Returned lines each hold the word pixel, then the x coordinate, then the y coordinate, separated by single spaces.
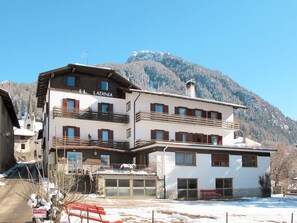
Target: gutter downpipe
pixel 164 176
pixel 134 127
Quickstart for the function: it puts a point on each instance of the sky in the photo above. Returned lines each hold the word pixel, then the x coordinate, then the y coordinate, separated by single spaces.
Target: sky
pixel 253 42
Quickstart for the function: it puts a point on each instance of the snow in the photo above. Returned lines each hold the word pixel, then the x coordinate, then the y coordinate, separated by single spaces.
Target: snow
pixel 245 210
pixel 248 142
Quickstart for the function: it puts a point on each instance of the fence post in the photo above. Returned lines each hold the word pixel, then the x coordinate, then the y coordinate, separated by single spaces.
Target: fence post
pixel 292 218
pixel 153 216
pixel 226 217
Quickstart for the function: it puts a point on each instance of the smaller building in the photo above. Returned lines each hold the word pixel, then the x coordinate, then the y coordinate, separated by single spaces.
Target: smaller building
pixel 27 146
pixel 8 119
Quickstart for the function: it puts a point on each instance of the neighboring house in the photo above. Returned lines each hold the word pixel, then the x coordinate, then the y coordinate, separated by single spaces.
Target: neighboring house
pixel 96 121
pixel 8 119
pixel 27 145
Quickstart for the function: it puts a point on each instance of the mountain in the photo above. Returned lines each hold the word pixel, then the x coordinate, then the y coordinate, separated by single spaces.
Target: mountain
pixel 168 73
pixel 22 95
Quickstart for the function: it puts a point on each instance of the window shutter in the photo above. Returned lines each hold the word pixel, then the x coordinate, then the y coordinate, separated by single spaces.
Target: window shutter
pixel 76 105
pixel 190 137
pixel 99 107
pixel 166 135
pixel 153 107
pixel 166 109
pixel 220 140
pixel 99 134
pixel 65 132
pixel 64 80
pixel 153 134
pixel 204 138
pixel 77 81
pixel 190 112
pixel 177 137
pixel 219 116
pixel 209 140
pixel 110 107
pixel 64 103
pixel 176 110
pixel 209 114
pixel 77 132
pixel 204 114
pixel 110 135
pixel 195 137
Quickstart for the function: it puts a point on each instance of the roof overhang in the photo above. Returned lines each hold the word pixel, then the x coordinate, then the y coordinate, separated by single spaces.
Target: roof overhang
pixel 167 145
pixel 235 106
pixel 43 78
pixel 9 107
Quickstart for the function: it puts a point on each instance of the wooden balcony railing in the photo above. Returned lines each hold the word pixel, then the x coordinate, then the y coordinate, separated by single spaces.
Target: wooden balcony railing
pixel 90 115
pixel 77 141
pixel 141 142
pixel 163 117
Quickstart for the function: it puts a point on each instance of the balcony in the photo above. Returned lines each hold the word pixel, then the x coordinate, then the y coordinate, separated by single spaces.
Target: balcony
pixel 90 115
pixel 68 142
pixel 141 142
pixel 163 117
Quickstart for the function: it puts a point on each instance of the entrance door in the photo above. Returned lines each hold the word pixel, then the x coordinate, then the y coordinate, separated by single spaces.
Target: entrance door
pixel 74 162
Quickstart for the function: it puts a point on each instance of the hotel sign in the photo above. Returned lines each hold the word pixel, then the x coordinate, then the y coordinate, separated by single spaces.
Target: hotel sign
pixel 102 93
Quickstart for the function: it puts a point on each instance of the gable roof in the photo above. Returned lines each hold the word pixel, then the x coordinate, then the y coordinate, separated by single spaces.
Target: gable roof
pixel 43 78
pixel 10 109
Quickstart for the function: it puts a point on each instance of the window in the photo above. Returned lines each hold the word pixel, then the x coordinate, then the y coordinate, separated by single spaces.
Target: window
pixel 220 160
pixel 187 188
pixel 74 162
pixel 182 111
pixel 105 135
pixel 70 132
pixel 224 186
pixel 128 133
pixel 104 86
pixel 159 108
pixel 23 146
pixel 215 139
pixel 214 115
pixel 185 159
pixel 70 81
pixel 198 113
pixel 128 106
pixel 249 161
pixel 200 138
pixel 105 160
pixel 181 137
pixel 70 104
pixel 28 126
pixel 105 107
pixel 159 135
pixel 23 137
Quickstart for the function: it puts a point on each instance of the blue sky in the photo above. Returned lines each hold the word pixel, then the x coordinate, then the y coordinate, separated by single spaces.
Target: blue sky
pixel 254 42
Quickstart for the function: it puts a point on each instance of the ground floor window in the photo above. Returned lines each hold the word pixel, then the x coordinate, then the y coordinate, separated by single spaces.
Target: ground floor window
pixel 130 187
pixel 187 188
pixel 74 162
pixel 224 186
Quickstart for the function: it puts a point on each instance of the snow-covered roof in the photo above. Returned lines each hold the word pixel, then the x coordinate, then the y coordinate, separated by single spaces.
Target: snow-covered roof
pixel 239 141
pixel 23 132
pixel 186 97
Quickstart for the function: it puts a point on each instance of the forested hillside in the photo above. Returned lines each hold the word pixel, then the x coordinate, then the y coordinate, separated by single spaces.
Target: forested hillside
pixel 165 72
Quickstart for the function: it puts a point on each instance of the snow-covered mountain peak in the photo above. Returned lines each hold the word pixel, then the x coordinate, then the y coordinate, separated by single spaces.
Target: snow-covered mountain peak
pixel 147 55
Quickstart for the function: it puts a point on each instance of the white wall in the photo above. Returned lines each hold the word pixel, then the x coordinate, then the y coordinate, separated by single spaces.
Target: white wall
pixel 243 177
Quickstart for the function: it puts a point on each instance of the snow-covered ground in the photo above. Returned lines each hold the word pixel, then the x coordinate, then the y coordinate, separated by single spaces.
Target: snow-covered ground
pixel 246 210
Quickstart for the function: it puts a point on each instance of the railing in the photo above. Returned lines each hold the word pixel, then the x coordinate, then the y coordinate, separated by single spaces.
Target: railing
pixel 148 142
pixel 90 115
pixel 163 117
pixel 97 169
pixel 77 141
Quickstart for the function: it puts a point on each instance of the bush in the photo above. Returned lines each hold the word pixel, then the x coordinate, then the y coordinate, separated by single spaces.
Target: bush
pixel 265 184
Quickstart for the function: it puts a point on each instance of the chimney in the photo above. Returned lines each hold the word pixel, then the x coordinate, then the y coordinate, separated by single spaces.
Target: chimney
pixel 190 88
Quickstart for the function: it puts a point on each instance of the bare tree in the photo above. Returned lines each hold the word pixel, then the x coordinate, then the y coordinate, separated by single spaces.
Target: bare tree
pixel 283 166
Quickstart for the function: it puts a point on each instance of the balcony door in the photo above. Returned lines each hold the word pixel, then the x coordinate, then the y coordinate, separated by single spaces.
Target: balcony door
pixel 105 137
pixel 74 162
